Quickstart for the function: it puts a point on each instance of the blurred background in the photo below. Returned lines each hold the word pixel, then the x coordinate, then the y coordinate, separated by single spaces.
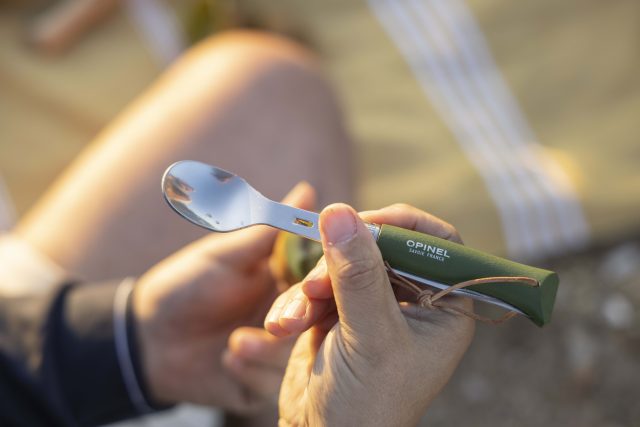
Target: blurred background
pixel 517 122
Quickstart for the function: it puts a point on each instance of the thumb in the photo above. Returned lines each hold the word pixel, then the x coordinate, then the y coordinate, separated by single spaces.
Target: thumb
pixel 367 308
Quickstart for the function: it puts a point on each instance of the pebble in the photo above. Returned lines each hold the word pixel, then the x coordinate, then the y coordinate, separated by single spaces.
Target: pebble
pixel 477 389
pixel 620 264
pixel 618 311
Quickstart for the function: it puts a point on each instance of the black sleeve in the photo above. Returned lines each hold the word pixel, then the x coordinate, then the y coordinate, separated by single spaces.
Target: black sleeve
pixel 58 359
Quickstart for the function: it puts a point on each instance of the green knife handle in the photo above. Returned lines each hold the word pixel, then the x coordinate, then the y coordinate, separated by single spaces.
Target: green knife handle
pixel 450 263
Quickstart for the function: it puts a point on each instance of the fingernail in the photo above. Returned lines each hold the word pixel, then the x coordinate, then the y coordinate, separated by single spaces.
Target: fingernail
pixel 298 188
pixel 296 309
pixel 340 225
pixel 296 191
pixel 273 315
pixel 318 272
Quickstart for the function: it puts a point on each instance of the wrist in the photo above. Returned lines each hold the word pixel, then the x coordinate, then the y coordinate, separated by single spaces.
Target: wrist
pixel 144 352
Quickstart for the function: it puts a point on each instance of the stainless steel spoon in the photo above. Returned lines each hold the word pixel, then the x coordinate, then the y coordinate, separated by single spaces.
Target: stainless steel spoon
pixel 221 201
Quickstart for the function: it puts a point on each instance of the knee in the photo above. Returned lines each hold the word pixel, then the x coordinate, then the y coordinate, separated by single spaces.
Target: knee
pixel 253 92
pixel 246 47
pixel 240 59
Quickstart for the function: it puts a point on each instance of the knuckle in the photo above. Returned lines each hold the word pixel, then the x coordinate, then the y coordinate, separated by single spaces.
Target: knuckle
pixel 443 229
pixel 451 233
pixel 401 206
pixel 359 273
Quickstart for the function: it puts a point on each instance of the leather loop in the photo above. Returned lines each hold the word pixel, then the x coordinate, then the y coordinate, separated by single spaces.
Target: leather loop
pixel 427 298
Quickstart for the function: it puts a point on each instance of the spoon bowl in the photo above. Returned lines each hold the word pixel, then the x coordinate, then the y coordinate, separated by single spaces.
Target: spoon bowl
pixel 221 201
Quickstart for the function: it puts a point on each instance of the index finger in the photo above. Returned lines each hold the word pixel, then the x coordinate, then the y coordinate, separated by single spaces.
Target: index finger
pixel 412 218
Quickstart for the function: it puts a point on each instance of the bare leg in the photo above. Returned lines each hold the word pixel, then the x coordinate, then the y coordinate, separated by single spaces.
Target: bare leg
pixel 252 103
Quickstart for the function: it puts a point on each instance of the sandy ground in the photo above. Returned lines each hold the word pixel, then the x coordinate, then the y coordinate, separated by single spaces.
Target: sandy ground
pixel 583 369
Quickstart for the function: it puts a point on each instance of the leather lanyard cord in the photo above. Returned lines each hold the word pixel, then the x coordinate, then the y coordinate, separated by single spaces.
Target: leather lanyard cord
pixel 427 298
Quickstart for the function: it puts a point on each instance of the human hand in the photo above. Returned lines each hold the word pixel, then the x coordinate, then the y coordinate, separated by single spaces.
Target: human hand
pixel 193 311
pixel 365 359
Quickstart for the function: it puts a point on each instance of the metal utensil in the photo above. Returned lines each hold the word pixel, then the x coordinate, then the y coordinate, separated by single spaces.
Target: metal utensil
pixel 220 201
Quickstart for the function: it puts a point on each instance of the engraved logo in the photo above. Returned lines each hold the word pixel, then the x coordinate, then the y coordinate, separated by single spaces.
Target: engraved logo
pixel 426 250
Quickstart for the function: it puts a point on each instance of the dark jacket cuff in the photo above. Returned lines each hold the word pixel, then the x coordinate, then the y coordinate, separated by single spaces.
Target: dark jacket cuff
pixel 128 351
pixel 89 369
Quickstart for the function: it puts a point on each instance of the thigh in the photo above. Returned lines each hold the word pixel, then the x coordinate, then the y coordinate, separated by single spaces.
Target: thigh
pixel 251 103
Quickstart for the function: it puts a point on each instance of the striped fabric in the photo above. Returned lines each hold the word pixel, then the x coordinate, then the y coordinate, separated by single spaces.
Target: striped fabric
pixel 7 213
pixel 449 57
